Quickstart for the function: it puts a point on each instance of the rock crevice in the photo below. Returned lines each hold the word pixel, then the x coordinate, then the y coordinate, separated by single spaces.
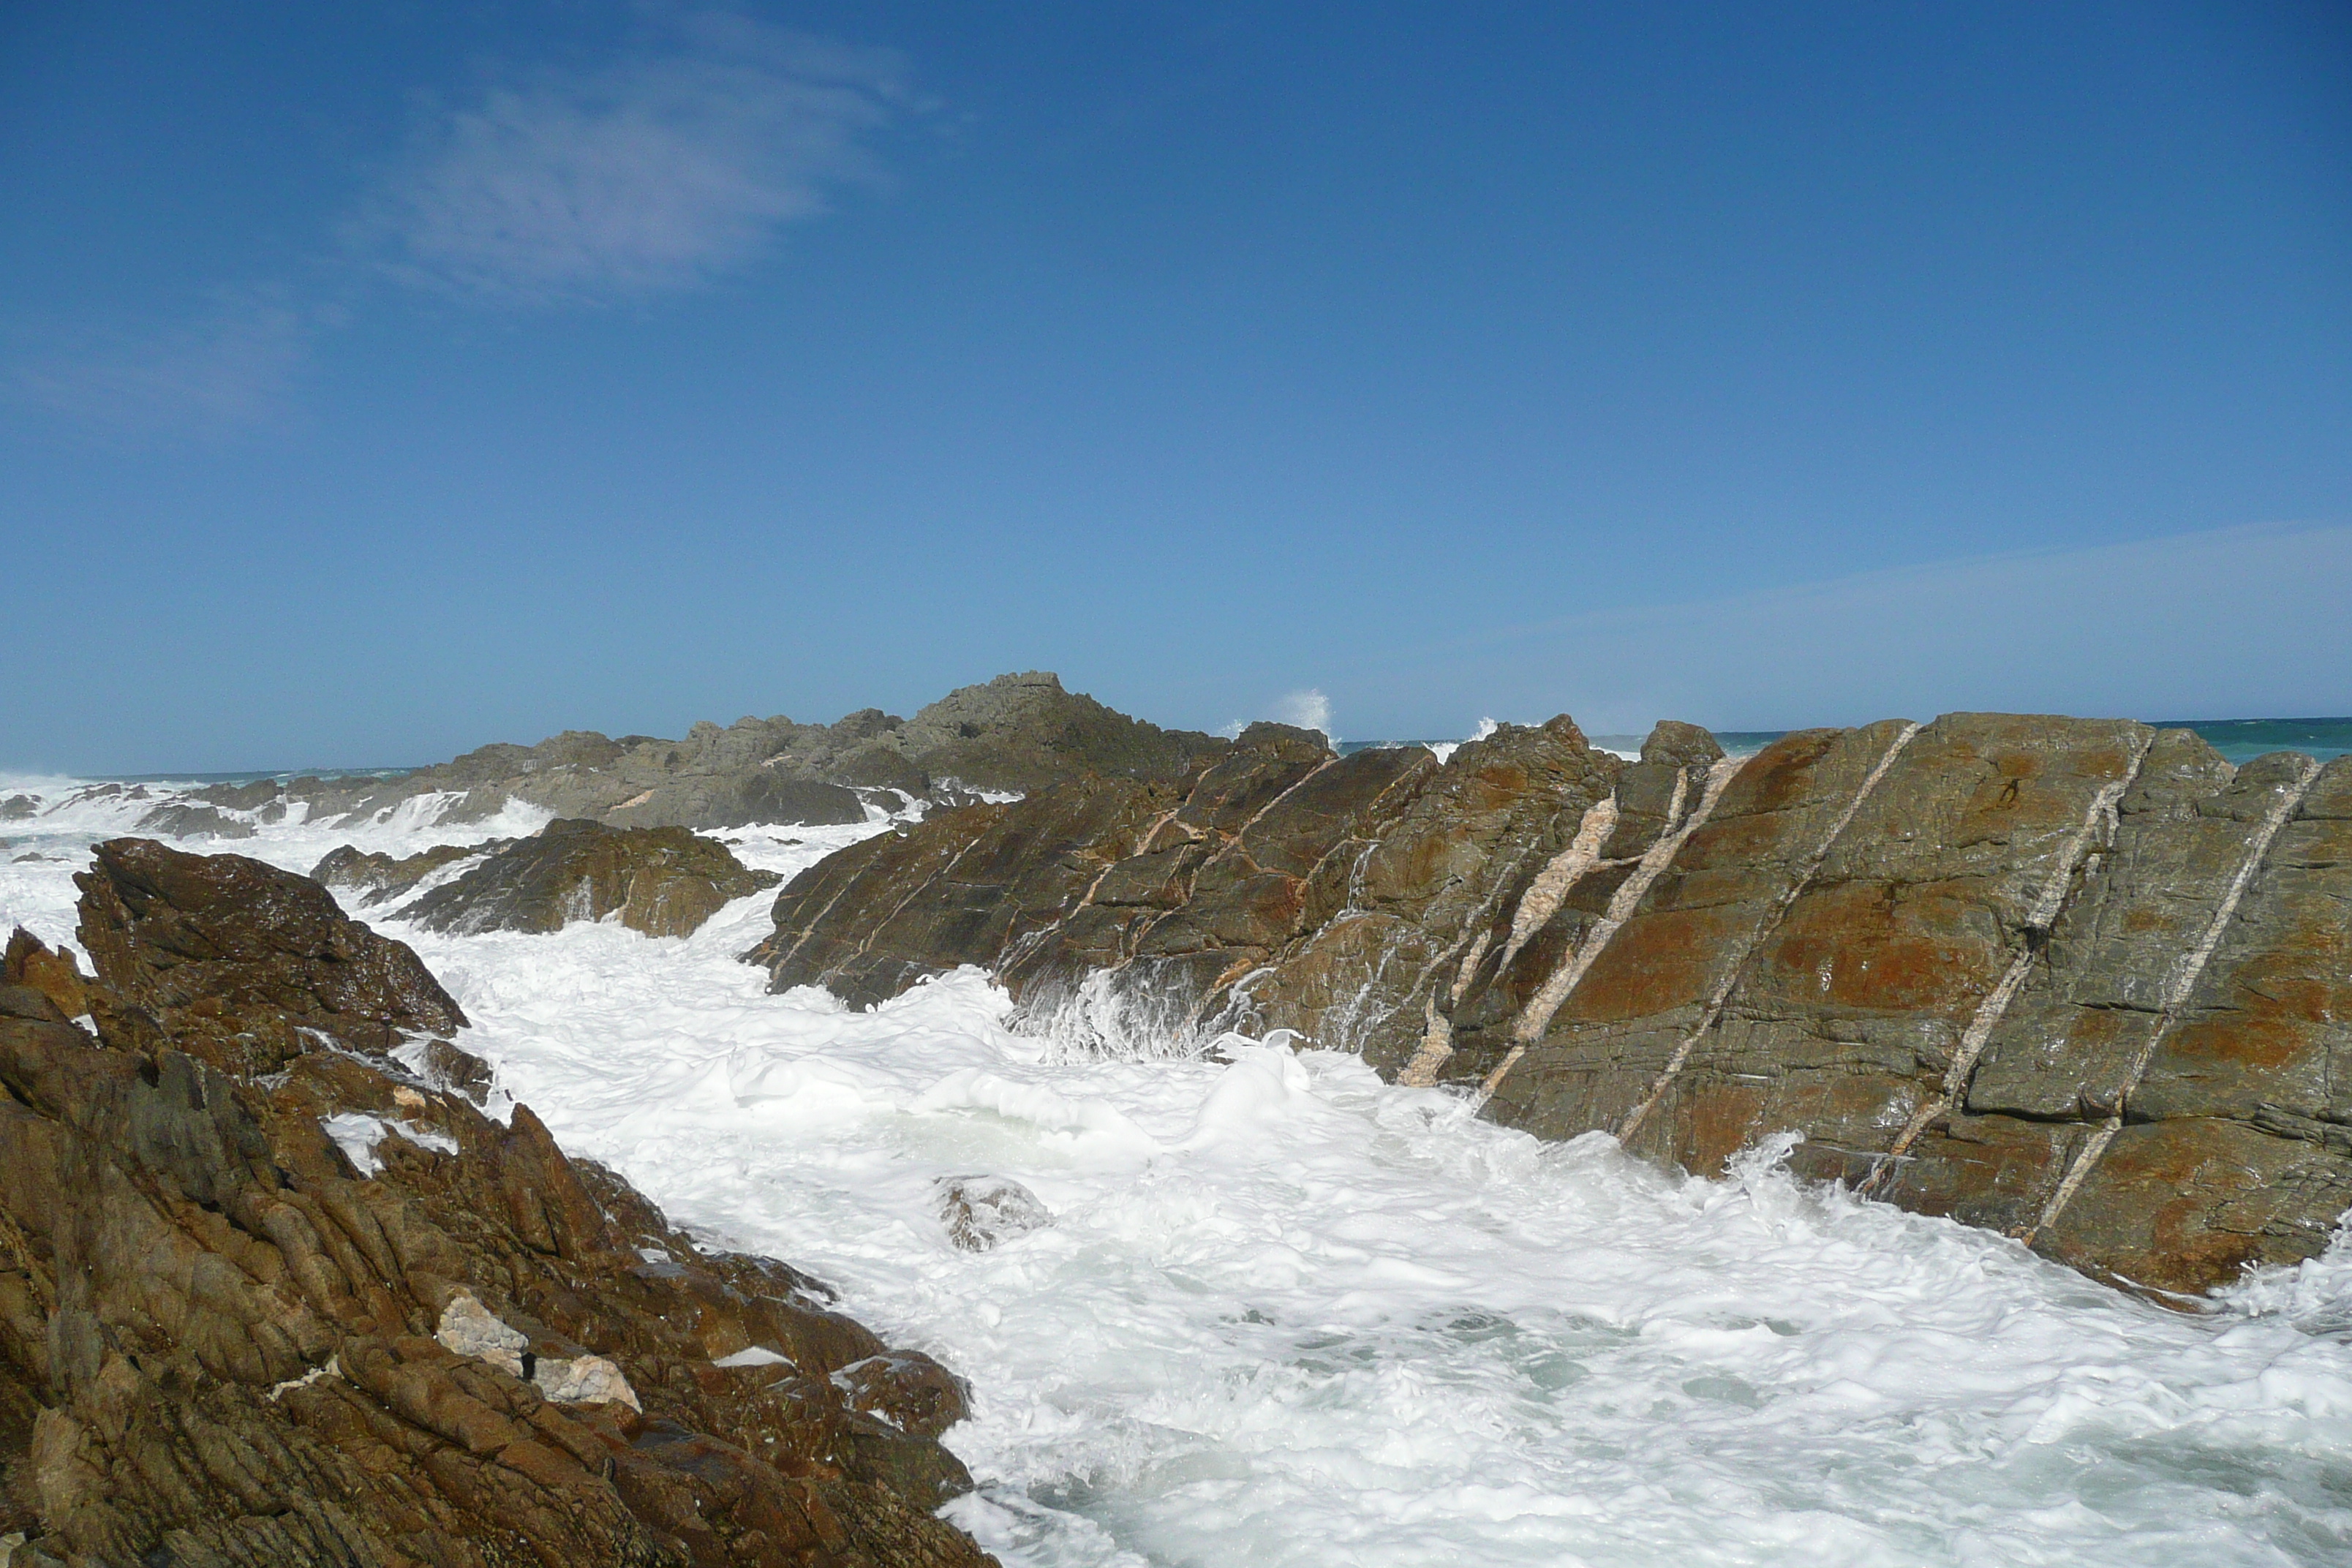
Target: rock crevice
pixel 223 1341
pixel 2075 980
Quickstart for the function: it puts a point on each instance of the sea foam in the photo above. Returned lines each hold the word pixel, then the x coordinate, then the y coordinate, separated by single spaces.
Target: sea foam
pixel 1286 1313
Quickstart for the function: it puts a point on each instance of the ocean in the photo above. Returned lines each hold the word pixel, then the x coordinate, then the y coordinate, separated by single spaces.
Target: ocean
pixel 1288 1314
pixel 2240 740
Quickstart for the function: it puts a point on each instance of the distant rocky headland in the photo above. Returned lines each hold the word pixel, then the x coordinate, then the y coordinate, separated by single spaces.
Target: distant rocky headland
pixel 1014 734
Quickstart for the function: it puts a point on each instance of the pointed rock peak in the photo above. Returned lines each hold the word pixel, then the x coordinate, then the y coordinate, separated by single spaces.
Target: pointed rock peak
pixel 1677 744
pixel 1567 729
pixel 1268 736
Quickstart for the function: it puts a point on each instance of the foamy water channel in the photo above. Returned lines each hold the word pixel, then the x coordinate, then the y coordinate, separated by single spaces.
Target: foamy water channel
pixel 1288 1314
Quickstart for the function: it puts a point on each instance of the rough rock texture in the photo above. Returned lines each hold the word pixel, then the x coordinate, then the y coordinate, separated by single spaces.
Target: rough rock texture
pixel 663 882
pixel 2072 979
pixel 957 887
pixel 1013 734
pixel 1023 732
pixel 379 879
pixel 191 819
pixel 249 956
pixel 222 1343
pixel 979 1212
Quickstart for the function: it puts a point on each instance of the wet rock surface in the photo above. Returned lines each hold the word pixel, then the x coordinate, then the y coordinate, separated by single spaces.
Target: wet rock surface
pixel 379 879
pixel 259 960
pixel 222 1342
pixel 979 1212
pixel 2079 981
pixel 663 882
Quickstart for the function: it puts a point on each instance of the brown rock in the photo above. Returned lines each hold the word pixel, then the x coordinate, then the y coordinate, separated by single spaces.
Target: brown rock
pixel 378 878
pixel 663 882
pixel 2071 979
pixel 237 951
pixel 217 1339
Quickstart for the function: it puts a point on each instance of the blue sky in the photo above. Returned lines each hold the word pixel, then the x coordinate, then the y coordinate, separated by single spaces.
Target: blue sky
pixel 378 380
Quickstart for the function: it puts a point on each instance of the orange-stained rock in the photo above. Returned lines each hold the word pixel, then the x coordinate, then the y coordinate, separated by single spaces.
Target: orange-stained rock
pixel 217 1330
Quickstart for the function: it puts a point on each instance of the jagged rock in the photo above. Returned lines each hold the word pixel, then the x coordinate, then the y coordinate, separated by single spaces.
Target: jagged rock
pixel 446 1067
pixel 250 796
pixel 379 879
pixel 1015 734
pixel 957 887
pixel 2072 979
pixel 663 882
pixel 220 1343
pixel 1279 886
pixel 18 807
pixel 54 975
pixel 181 819
pixel 981 1211
pixel 247 956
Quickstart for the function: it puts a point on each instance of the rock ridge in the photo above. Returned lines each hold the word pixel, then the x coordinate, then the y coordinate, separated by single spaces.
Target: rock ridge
pixel 1010 735
pixel 2079 981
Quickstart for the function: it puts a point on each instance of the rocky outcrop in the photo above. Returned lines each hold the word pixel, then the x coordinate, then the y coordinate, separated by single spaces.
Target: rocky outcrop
pixel 2076 980
pixel 663 882
pixel 1010 735
pixel 257 959
pixel 333 1314
pixel 192 819
pixel 1021 732
pixel 957 887
pixel 379 879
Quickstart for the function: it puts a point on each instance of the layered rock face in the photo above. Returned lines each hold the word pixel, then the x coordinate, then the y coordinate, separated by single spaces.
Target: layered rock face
pixel 663 882
pixel 2075 980
pixel 1013 734
pixel 332 1314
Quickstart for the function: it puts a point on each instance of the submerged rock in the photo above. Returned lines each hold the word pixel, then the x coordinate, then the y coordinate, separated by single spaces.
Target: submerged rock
pixel 220 1342
pixel 663 882
pixel 979 1212
pixel 2072 979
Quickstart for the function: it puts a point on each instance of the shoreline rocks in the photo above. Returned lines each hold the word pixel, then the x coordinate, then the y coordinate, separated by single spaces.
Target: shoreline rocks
pixel 2079 981
pixel 222 1341
pixel 662 882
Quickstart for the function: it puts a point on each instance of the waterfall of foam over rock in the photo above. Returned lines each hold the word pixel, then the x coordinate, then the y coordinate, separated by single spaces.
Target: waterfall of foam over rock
pixel 1284 1313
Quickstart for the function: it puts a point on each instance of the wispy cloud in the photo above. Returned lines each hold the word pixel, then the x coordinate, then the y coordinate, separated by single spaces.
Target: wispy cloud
pixel 667 165
pixel 655 172
pixel 229 368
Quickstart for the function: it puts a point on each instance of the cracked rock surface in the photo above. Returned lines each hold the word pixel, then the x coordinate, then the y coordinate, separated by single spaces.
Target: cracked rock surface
pixel 222 1343
pixel 2076 980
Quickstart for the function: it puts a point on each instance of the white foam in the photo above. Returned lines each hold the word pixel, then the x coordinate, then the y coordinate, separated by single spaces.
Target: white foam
pixel 1287 1314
